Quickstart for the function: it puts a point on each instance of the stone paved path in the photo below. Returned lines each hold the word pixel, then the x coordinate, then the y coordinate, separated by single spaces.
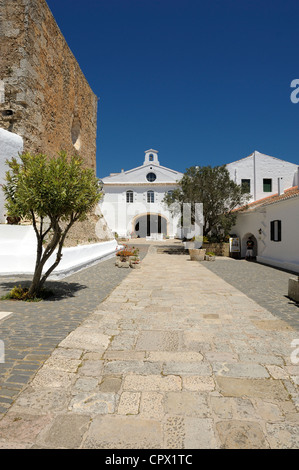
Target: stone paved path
pixel 266 285
pixel 174 358
pixel 33 330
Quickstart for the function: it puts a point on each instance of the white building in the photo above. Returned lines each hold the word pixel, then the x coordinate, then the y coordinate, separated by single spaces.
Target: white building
pixel 273 223
pixel 264 175
pixel 11 145
pixel 132 204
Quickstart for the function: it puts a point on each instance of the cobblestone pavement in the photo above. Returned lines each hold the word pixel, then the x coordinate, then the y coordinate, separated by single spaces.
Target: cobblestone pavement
pixel 33 330
pixel 266 285
pixel 173 358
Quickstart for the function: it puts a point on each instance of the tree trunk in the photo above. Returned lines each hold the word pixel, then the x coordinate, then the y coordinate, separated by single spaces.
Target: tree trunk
pixel 57 239
pixel 36 286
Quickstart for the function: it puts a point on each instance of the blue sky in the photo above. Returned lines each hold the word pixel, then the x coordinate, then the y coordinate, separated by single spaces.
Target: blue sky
pixel 203 82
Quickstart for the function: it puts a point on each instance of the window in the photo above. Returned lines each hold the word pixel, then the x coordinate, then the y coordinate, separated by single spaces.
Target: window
pixel 245 184
pixel 275 230
pixel 151 177
pixel 75 133
pixel 150 196
pixel 267 185
pixel 151 157
pixel 129 196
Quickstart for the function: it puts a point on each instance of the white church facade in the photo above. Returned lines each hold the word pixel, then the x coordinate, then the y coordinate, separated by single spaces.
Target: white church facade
pixel 133 200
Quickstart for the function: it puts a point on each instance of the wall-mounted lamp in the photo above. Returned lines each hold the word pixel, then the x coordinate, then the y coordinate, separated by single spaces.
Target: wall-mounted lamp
pixel 260 231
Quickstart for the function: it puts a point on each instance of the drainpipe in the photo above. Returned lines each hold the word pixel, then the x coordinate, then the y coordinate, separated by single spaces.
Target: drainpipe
pixel 254 176
pixel 279 186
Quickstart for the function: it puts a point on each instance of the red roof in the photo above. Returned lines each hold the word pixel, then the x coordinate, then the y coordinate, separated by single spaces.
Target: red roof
pixel 288 194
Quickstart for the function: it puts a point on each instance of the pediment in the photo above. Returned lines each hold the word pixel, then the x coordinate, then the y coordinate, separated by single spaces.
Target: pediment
pixel 139 175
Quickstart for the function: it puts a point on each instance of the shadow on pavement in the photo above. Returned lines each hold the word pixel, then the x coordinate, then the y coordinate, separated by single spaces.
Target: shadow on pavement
pixel 58 290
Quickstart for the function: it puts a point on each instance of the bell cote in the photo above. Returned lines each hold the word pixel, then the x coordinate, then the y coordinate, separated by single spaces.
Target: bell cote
pixel 151 157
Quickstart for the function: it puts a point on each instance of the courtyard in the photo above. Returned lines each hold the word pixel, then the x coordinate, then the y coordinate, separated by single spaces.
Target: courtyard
pixel 175 355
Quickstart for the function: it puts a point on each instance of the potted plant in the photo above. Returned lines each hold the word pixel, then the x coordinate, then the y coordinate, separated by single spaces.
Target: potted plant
pixel 210 256
pixel 135 262
pixel 125 256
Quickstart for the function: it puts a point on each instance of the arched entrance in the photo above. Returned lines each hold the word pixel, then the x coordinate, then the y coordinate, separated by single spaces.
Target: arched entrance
pixel 148 224
pixel 244 245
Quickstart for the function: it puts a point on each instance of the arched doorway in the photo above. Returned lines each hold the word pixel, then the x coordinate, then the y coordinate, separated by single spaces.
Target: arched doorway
pixel 147 224
pixel 244 245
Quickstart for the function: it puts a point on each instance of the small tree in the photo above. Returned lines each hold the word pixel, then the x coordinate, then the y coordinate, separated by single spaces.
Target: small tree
pixel 54 194
pixel 216 191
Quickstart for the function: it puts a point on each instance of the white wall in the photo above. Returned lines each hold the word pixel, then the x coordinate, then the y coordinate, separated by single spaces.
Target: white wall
pixel 10 146
pixel 283 254
pixel 119 214
pixel 258 166
pixel 18 253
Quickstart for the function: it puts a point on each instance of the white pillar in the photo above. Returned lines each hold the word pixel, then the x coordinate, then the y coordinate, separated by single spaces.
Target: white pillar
pixel 11 145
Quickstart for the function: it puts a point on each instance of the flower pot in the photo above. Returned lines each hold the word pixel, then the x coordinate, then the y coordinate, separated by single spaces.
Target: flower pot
pixel 135 265
pixel 197 254
pixel 122 264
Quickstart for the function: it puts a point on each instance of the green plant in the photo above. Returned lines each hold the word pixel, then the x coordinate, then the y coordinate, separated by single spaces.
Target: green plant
pixel 18 293
pixel 197 238
pixel 22 293
pixel 126 251
pixel 210 253
pixel 59 189
pixel 135 251
pixel 218 194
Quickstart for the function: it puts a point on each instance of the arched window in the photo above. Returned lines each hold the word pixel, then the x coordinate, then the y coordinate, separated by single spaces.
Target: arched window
pixel 129 196
pixel 150 196
pixel 151 157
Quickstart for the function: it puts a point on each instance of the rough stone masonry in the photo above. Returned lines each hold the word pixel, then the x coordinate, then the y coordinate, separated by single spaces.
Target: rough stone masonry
pixel 44 95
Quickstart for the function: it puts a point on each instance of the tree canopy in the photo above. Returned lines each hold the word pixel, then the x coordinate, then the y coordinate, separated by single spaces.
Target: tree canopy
pixel 53 193
pixel 213 187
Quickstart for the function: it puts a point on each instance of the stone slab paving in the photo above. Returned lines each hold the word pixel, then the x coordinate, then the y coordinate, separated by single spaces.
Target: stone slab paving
pixel 31 330
pixel 267 285
pixel 173 358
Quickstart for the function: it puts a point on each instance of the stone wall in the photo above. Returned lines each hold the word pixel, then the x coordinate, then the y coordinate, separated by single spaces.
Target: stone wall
pixel 220 249
pixel 44 96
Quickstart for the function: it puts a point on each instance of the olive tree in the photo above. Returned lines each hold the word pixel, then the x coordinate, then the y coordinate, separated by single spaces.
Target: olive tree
pixel 53 193
pixel 213 187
